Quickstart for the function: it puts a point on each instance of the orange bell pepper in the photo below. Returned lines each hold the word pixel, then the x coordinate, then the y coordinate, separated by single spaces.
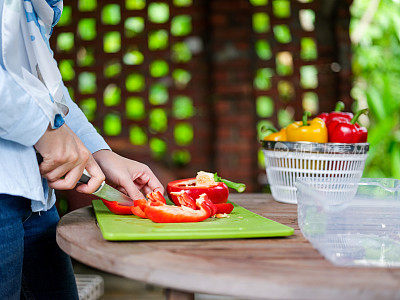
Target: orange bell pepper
pixel 307 131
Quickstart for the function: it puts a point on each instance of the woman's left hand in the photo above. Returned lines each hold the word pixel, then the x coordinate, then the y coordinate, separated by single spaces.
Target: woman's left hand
pixel 128 176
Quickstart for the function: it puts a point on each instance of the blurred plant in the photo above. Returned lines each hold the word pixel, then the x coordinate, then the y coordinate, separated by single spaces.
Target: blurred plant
pixel 375 32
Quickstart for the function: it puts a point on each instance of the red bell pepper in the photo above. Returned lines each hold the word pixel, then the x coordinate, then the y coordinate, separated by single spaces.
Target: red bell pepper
pixel 156 199
pixel 116 208
pixel 184 199
pixel 177 214
pixel 224 208
pixel 337 113
pixel 344 131
pixel 139 207
pixel 217 189
pixel 217 193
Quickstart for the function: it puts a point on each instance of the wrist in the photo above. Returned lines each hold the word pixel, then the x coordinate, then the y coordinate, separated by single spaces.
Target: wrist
pixel 102 154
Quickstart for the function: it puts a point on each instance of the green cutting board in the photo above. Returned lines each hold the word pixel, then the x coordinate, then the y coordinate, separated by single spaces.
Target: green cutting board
pixel 240 224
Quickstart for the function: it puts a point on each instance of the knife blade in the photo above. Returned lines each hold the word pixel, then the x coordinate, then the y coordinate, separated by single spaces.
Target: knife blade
pixel 105 191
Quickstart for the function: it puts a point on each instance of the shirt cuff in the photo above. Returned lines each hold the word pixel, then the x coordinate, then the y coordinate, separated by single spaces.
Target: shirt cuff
pixel 94 142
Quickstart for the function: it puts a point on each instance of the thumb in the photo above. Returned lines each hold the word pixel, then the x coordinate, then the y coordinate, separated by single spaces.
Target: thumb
pixel 96 177
pixel 132 190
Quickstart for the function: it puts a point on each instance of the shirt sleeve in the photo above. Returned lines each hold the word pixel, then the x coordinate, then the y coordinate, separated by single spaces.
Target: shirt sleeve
pixel 21 118
pixel 77 121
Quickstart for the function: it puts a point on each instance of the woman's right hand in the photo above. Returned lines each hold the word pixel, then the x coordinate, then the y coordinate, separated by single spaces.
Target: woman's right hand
pixel 64 159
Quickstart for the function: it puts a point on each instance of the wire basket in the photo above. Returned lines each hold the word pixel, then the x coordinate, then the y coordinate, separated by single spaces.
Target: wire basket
pixel 287 161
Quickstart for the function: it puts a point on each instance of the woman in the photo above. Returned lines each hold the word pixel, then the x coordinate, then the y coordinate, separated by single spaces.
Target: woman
pixel 37 115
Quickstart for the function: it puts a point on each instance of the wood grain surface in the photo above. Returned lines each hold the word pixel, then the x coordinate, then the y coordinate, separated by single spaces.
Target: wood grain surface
pixel 279 268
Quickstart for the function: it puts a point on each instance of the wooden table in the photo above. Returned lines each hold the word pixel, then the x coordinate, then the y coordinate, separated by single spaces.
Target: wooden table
pixel 251 268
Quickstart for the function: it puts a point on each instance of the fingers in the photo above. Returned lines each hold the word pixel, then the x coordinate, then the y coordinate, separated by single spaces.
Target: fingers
pixel 153 183
pixel 131 189
pixel 65 158
pixel 57 172
pixel 122 190
pixel 70 180
pixel 97 178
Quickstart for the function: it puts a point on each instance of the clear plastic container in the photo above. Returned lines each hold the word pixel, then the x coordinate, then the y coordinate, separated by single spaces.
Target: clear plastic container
pixel 359 226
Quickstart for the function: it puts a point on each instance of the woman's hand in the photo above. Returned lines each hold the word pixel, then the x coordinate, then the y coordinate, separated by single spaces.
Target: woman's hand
pixel 64 159
pixel 129 176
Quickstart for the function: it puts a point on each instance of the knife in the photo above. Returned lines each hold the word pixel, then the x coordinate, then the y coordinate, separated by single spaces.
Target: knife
pixel 105 191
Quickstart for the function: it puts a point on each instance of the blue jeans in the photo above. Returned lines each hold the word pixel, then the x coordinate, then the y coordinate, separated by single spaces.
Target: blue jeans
pixel 32 266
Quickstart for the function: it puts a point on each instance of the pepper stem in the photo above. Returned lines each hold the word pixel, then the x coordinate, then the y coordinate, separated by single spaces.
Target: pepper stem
pixel 270 127
pixel 305 118
pixel 358 114
pixel 339 106
pixel 239 187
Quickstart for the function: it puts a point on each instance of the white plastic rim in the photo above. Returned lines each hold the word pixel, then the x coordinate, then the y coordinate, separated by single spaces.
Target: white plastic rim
pixel 284 167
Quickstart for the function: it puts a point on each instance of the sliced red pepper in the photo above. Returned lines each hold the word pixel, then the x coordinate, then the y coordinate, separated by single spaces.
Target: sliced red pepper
pixel 139 207
pixel 217 193
pixel 178 214
pixel 184 199
pixel 224 208
pixel 116 208
pixel 156 198
pixel 344 131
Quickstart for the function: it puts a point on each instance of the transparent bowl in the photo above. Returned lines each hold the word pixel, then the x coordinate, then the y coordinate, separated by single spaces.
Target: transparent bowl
pixel 359 226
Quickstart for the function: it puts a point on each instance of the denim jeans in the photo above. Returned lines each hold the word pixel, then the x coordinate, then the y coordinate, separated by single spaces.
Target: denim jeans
pixel 32 266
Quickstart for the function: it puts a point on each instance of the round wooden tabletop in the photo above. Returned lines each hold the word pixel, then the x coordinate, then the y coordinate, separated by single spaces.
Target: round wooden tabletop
pixel 248 268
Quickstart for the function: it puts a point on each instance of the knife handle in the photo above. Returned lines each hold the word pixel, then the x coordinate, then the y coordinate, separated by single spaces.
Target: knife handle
pixel 84 178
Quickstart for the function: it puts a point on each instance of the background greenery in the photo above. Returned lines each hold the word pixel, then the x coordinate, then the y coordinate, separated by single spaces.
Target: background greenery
pixel 376 67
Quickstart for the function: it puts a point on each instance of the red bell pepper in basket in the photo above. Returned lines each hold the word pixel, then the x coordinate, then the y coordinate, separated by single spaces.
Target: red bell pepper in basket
pixel 344 131
pixel 336 114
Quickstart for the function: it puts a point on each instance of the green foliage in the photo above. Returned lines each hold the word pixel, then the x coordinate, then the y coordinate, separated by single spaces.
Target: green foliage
pixel 111 14
pixel 87 29
pixel 181 25
pixel 376 66
pixel 182 107
pixel 135 109
pixel 112 124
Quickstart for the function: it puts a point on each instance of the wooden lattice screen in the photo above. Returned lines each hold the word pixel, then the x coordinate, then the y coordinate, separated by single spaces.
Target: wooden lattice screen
pixel 137 70
pixel 188 82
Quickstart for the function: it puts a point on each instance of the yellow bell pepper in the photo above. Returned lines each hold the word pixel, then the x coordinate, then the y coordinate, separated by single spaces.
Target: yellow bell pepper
pixel 307 131
pixel 277 136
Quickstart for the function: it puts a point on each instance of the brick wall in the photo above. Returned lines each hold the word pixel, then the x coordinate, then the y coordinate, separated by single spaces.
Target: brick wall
pixel 232 77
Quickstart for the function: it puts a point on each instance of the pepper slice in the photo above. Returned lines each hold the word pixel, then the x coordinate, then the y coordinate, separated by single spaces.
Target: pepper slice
pixel 116 208
pixel 344 131
pixel 337 113
pixel 139 207
pixel 156 198
pixel 184 199
pixel 180 214
pixel 224 208
pixel 217 193
pixel 307 131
